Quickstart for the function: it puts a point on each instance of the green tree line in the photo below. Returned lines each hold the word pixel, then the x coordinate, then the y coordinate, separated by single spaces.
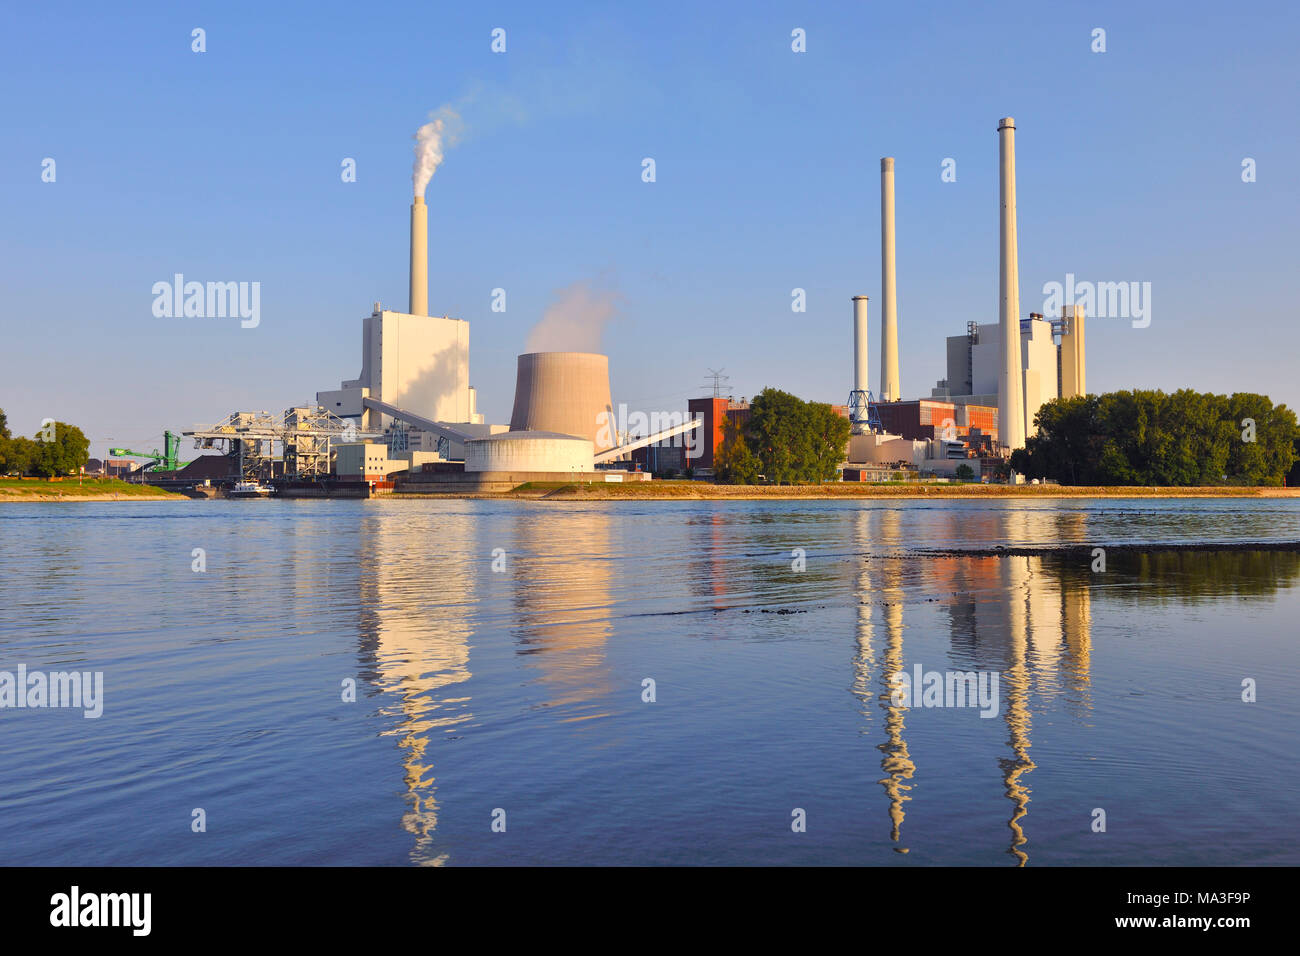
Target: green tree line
pixel 65 455
pixel 785 441
pixel 1147 437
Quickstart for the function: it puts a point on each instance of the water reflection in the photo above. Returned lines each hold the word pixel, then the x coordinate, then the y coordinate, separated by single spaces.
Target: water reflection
pixel 1028 618
pixel 562 578
pixel 882 527
pixel 418 649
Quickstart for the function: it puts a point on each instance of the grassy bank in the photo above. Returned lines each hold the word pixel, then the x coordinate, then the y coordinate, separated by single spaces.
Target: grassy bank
pixel 68 489
pixel 698 490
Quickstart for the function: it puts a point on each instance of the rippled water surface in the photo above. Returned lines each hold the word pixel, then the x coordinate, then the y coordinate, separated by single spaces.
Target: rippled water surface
pixel 499 650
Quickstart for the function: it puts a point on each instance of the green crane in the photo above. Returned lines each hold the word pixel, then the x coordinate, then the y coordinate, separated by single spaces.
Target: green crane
pixel 168 459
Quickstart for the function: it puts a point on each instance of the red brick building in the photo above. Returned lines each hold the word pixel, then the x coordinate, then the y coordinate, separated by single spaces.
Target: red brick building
pixel 927 418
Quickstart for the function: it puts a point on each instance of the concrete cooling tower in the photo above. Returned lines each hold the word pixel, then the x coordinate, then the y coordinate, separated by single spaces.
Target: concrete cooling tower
pixel 565 393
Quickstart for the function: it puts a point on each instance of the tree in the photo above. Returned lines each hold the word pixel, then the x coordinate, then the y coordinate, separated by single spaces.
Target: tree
pixel 735 463
pixel 828 432
pixel 793 440
pixel 20 455
pixel 4 443
pixel 965 472
pixel 774 434
pixel 1144 437
pixel 64 455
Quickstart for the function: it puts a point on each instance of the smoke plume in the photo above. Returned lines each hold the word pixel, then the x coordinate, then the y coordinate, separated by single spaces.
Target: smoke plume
pixel 441 133
pixel 575 321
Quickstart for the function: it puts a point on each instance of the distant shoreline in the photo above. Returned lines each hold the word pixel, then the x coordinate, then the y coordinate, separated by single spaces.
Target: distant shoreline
pixel 57 492
pixel 48 492
pixel 699 491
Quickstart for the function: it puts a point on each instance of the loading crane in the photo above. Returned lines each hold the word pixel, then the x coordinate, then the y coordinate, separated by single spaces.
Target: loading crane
pixel 168 459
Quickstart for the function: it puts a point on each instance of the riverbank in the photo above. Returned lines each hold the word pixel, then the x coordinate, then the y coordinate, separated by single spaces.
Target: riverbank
pixel 703 491
pixel 110 489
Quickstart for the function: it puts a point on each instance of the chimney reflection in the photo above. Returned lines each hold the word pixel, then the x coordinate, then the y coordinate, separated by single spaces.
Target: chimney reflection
pixel 877 530
pixel 419 647
pixel 896 762
pixel 1016 677
pixel 1027 618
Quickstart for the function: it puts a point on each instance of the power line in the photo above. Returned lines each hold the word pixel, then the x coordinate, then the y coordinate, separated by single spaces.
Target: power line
pixel 718 379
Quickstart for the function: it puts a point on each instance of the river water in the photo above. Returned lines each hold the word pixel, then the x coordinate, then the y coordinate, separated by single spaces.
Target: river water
pixel 501 656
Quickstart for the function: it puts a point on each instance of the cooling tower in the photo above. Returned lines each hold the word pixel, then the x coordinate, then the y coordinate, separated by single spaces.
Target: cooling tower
pixel 1011 399
pixel 419 257
pixel 890 389
pixel 566 393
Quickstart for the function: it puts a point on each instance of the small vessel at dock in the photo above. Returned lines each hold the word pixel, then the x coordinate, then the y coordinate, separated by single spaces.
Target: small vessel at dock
pixel 249 489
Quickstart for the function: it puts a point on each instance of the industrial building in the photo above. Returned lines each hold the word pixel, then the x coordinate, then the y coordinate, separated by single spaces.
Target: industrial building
pixel 1052 363
pixel 999 374
pixel 926 418
pixel 412 411
pixel 420 362
pixel 674 457
pixel 413 362
pixel 414 388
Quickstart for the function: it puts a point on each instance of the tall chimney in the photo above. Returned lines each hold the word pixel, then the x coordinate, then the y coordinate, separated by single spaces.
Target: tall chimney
pixel 1011 398
pixel 419 257
pixel 890 390
pixel 859 343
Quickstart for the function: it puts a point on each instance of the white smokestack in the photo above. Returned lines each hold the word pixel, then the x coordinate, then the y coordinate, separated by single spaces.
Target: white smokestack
pixel 1011 400
pixel 431 139
pixel 419 257
pixel 859 343
pixel 890 388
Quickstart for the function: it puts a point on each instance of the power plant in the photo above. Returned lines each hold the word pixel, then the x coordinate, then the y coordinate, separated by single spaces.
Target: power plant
pixel 411 410
pixel 998 375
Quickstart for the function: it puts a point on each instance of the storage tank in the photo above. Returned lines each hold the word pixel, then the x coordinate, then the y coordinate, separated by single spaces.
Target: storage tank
pixel 529 451
pixel 565 393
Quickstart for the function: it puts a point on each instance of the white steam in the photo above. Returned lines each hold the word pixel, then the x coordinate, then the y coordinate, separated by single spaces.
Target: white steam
pixel 431 140
pixel 575 321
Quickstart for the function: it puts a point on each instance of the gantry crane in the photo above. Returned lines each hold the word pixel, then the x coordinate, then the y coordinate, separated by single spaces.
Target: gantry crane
pixel 168 458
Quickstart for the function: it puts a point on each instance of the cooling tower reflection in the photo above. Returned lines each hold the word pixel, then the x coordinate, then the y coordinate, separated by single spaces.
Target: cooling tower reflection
pixel 562 580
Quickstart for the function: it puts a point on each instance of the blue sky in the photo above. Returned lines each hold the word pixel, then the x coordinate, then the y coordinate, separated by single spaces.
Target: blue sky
pixel 225 165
